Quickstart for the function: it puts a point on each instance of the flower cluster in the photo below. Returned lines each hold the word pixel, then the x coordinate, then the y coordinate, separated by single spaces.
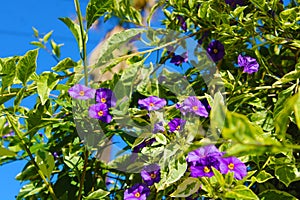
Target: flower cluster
pixel 104 97
pixel 140 191
pixel 202 160
pixel 250 64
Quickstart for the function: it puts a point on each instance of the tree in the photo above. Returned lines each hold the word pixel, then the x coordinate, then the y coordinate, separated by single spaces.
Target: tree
pixel 208 106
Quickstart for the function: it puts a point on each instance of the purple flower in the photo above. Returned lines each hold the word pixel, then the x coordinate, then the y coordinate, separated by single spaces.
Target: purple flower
pixel 182 22
pixel 11 133
pixel 203 159
pixel 194 106
pixel 176 124
pixel 152 103
pixel 105 95
pixel 216 50
pixel 55 155
pixel 81 92
pixel 234 165
pixel 203 152
pixel 158 127
pixel 250 64
pixel 203 167
pixel 233 3
pixel 139 191
pixel 179 59
pixel 151 174
pixel 143 144
pixel 100 111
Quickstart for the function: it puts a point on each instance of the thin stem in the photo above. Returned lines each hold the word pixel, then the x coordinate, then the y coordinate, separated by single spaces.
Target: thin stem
pixel 84 59
pixel 83 39
pixel 17 131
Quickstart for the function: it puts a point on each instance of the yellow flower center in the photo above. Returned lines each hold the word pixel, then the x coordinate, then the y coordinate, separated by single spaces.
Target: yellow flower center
pixel 151 104
pixel 195 108
pixel 206 169
pixel 103 100
pixel 231 166
pixel 137 194
pixel 100 113
pixel 216 51
pixel 153 176
pixel 178 127
pixel 81 93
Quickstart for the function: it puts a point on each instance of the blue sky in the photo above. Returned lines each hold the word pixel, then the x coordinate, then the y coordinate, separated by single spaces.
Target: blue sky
pixel 18 18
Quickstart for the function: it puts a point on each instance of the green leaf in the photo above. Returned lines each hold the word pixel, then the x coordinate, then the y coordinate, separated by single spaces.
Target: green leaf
pixel 26 66
pixel 219 177
pixel 9 71
pixel 238 128
pixel 241 192
pixel 47 36
pixel 96 9
pixel 98 194
pixel 38 44
pixel 114 42
pixel 259 3
pixel 29 173
pixel 262 176
pixel 45 84
pixel 36 190
pixel 281 120
pixel 45 162
pixel 188 187
pixel 217 115
pixel 291 76
pixel 276 194
pixel 282 98
pixel 177 168
pixel 286 174
pixel 65 64
pixel 75 29
pixel 161 138
pixel 6 152
pixel 19 98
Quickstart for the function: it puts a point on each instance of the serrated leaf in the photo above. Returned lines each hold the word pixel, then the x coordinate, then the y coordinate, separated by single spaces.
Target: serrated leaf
pixel 188 187
pixel 241 192
pixel 286 174
pixel 26 66
pixel 98 194
pixel 96 9
pixel 276 194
